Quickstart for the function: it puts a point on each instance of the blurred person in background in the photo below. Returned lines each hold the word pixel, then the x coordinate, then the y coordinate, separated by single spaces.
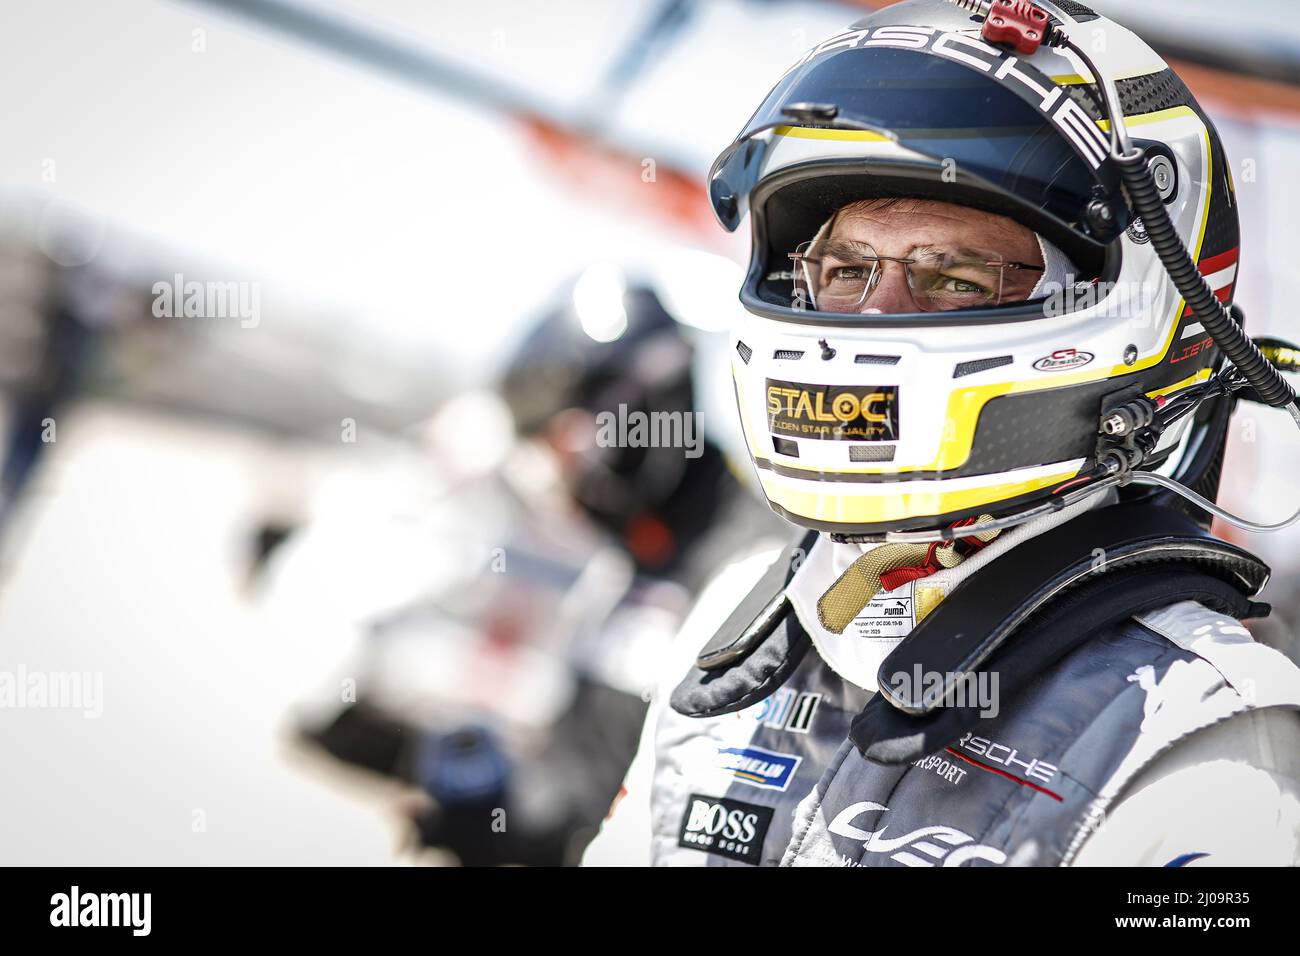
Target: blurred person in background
pixel 618 506
pixel 985 648
pixel 49 364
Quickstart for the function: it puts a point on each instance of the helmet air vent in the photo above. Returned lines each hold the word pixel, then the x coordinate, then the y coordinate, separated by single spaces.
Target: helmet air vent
pixel 981 365
pixel 871 452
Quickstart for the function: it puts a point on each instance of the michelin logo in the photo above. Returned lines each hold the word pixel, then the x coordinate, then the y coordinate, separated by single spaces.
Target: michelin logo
pixel 757 767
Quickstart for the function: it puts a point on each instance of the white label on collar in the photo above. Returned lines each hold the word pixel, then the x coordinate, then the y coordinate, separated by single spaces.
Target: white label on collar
pixel 887 615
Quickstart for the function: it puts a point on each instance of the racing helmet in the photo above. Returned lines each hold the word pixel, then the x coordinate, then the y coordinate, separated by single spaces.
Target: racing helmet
pixel 608 348
pixel 986 397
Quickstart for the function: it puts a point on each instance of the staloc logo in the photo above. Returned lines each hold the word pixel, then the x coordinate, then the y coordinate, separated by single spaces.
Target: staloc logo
pixel 102 909
pixel 729 828
pixel 832 412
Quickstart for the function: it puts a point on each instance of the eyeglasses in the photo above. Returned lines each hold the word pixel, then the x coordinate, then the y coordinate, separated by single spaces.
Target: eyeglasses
pixel 840 275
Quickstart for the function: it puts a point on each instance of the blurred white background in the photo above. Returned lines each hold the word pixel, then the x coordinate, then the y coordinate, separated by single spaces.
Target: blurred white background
pixel 402 238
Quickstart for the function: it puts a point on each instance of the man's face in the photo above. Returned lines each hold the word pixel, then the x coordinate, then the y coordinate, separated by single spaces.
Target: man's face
pixel 917 255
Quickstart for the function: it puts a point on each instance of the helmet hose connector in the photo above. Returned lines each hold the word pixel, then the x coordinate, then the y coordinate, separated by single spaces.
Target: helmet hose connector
pixel 1144 199
pixel 1129 418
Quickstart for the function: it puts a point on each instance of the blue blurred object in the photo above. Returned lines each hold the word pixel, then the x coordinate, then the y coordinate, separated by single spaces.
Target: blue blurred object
pixel 467 765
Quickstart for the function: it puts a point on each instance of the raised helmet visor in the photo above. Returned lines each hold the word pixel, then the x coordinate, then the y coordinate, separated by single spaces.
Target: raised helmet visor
pixel 974 126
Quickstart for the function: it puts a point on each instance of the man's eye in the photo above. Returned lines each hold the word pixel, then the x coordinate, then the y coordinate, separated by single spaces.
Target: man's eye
pixel 955 286
pixel 848 273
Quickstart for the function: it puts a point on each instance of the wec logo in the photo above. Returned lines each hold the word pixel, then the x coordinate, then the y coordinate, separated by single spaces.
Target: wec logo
pixel 944 846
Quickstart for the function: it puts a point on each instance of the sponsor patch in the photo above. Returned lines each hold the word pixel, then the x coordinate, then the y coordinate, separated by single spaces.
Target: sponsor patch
pixel 789 709
pixel 1063 359
pixel 757 767
pixel 729 828
pixel 832 412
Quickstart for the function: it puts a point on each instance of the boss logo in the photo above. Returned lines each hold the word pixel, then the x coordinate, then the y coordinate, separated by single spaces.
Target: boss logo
pixel 729 828
pixel 833 412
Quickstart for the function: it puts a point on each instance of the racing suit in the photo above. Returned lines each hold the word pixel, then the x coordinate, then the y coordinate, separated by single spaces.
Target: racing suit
pixel 1171 740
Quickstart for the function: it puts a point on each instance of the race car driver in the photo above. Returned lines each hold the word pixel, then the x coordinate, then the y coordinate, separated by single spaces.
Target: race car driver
pixel 979 375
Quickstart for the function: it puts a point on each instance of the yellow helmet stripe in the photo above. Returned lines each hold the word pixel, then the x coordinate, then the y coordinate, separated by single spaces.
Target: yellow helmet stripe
pixel 858 135
pixel 898 505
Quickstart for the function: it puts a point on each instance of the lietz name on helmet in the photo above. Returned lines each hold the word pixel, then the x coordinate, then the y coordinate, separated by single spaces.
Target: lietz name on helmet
pixel 1031 84
pixel 835 412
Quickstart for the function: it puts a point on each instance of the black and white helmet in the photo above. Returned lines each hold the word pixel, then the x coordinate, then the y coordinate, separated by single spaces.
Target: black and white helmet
pixel 985 396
